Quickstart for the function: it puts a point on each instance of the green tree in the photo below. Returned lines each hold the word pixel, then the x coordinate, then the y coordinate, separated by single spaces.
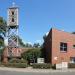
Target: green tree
pixel 36 45
pixel 44 37
pixel 31 55
pixel 21 43
pixel 2 34
pixel 2 26
pixel 28 45
pixel 73 32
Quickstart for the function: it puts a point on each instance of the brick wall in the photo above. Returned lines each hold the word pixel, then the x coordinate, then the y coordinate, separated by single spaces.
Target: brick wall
pixel 54 52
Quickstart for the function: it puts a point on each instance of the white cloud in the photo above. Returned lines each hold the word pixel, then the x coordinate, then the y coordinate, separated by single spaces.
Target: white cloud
pixel 29 43
pixel 39 41
pixel 47 33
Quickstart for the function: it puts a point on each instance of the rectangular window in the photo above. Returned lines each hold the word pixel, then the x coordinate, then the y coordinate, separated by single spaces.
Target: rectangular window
pixel 73 46
pixel 12 13
pixel 72 59
pixel 63 47
pixel 12 19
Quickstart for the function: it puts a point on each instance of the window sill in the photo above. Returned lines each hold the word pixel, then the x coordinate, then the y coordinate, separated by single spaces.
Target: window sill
pixel 63 51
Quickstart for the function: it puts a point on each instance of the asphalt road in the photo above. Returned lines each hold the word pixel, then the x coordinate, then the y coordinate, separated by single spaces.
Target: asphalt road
pixel 63 73
pixel 34 73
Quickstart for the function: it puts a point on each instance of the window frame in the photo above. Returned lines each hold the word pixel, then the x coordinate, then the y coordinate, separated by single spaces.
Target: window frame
pixel 63 47
pixel 72 59
pixel 74 46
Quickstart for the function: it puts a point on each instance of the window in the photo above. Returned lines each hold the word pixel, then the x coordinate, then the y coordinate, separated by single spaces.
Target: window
pixel 12 13
pixel 63 47
pixel 72 59
pixel 12 19
pixel 73 46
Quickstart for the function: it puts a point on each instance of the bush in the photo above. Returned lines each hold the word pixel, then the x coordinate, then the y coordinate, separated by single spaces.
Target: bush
pixel 71 65
pixel 42 66
pixel 16 65
pixel 14 60
pixel 54 66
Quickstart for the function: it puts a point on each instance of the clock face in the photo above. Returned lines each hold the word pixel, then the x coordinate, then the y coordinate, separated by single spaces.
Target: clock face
pixel 13 17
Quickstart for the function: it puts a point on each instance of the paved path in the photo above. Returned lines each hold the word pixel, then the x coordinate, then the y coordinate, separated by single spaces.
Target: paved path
pixel 22 73
pixel 35 73
pixel 34 70
pixel 24 70
pixel 30 71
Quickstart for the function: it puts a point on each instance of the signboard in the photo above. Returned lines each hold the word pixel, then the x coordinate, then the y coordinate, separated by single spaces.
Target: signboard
pixel 63 65
pixel 59 66
pixel 40 60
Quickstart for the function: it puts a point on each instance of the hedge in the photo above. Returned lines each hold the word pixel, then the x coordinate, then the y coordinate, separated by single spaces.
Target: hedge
pixel 42 66
pixel 16 65
pixel 71 65
pixel 14 60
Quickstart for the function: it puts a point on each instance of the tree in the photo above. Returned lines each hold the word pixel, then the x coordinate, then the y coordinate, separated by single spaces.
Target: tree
pixel 21 43
pixel 2 26
pixel 31 55
pixel 2 35
pixel 44 37
pixel 1 41
pixel 36 45
pixel 73 32
pixel 28 45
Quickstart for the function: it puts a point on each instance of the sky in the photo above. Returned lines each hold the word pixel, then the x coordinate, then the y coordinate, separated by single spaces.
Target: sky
pixel 37 17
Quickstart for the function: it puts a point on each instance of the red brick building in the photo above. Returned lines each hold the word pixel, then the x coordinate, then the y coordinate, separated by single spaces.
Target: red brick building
pixel 59 46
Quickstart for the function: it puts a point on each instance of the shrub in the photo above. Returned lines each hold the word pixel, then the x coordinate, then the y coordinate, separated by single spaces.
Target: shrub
pixel 42 66
pixel 54 66
pixel 14 60
pixel 16 65
pixel 71 65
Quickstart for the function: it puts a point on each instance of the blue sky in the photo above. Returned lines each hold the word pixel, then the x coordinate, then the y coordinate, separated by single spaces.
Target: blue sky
pixel 36 17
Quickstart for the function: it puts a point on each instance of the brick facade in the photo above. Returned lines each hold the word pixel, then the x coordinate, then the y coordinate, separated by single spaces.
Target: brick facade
pixel 53 53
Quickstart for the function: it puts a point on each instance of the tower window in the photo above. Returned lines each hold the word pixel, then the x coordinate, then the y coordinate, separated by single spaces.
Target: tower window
pixel 63 47
pixel 12 13
pixel 12 19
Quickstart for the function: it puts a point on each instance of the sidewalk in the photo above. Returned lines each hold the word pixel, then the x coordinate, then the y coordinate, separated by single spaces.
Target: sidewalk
pixel 24 69
pixel 34 70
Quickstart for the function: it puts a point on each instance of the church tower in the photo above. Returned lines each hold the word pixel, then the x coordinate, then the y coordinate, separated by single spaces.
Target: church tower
pixel 12 28
pixel 11 41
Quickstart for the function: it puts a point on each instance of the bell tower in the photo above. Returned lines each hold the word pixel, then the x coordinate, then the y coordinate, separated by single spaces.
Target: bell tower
pixel 12 30
pixel 13 16
pixel 11 40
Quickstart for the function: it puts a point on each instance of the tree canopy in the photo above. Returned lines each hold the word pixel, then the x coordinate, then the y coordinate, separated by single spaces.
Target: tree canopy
pixel 73 32
pixel 2 26
pixel 32 54
pixel 2 33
